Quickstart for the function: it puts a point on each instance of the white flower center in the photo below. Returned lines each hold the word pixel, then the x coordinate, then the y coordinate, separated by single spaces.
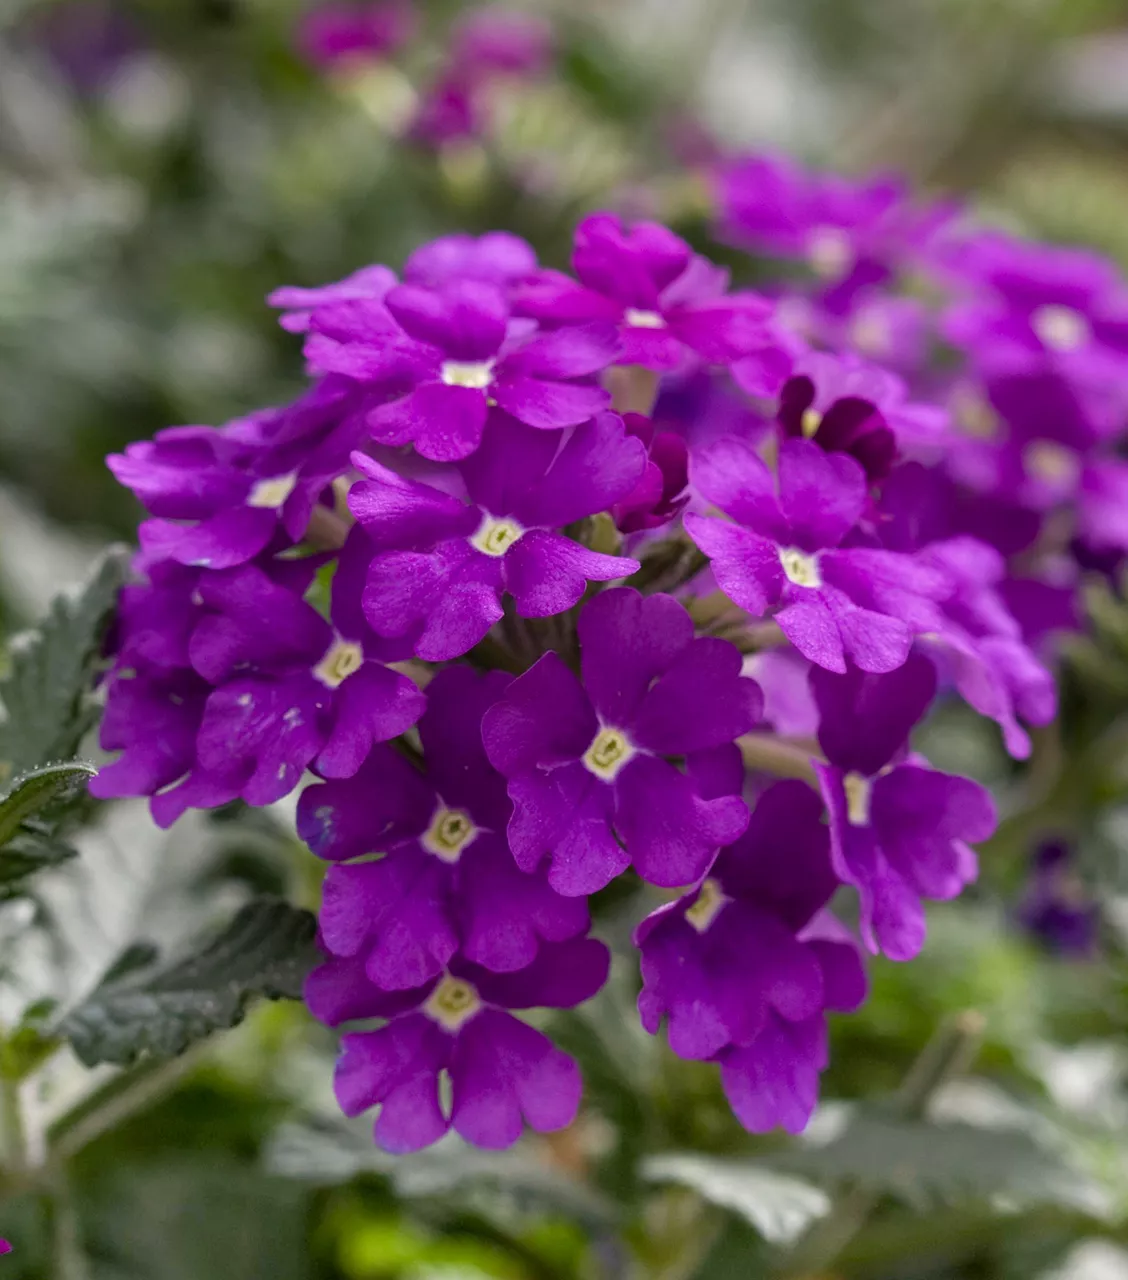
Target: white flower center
pixel 495 536
pixel 830 252
pixel 452 1003
pixel 467 373
pixel 800 568
pixel 609 752
pixel 342 658
pixel 643 319
pixel 810 422
pixel 710 902
pixel 272 492
pixel 858 790
pixel 1047 460
pixel 451 830
pixel 1061 328
pixel 974 415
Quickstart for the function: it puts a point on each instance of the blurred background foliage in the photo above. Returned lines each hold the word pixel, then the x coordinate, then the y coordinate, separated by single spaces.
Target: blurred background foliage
pixel 166 163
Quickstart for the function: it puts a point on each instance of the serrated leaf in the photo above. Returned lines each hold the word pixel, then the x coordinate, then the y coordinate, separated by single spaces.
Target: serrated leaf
pixel 923 1162
pixel 780 1207
pixel 38 790
pixel 44 694
pixel 136 1011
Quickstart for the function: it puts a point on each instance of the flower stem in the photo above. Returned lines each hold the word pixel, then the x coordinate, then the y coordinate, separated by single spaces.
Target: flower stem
pixel 768 753
pixel 13 1132
pixel 948 1054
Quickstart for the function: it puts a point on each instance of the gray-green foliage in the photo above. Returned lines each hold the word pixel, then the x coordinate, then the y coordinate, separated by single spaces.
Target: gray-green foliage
pixel 141 1008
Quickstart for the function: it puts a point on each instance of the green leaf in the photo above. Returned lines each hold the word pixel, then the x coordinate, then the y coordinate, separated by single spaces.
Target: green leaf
pixel 37 790
pixel 139 1009
pixel 925 1162
pixel 778 1206
pixel 491 1182
pixel 45 691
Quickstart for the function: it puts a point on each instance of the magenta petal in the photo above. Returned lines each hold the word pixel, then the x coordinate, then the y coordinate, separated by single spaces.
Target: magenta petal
pixel 670 833
pixel 506 912
pixel 563 975
pixel 576 351
pixel 544 720
pixel 874 641
pixel 503 1071
pixel 774 1082
pixel 701 701
pixel 746 566
pixel 811 627
pixel 566 815
pixel 445 422
pixel 547 573
pixel 821 494
pixel 626 642
pixel 732 475
pixel 865 719
pixel 373 705
pixel 547 405
pixel 465 319
pixel 386 802
pixel 398 512
pixel 339 991
pixel 598 465
pixel 233 537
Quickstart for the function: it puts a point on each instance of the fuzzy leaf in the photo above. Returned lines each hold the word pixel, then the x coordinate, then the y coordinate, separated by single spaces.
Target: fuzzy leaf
pixel 38 790
pixel 925 1162
pixel 45 691
pixel 139 1009
pixel 778 1206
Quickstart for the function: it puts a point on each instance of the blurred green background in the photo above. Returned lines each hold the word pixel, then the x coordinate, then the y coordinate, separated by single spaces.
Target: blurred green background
pixel 164 169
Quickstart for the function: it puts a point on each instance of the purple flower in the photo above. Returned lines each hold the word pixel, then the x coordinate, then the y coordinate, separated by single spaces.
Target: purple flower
pixel 665 302
pixel 340 31
pixel 446 882
pixel 497 258
pixel 368 285
pixel 899 831
pixel 460 354
pixel 1041 309
pixel 442 564
pixel 660 493
pixel 847 406
pixel 587 760
pixel 1056 908
pixel 450 111
pixel 503 1073
pixel 218 498
pixel 1102 516
pixel 783 555
pixel 846 231
pixel 494 40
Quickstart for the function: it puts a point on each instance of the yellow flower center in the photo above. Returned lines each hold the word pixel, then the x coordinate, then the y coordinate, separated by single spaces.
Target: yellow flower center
pixel 495 536
pixel 452 1003
pixel 609 752
pixel 708 905
pixel 477 374
pixel 810 422
pixel 829 252
pixel 858 790
pixel 342 658
pixel 272 492
pixel 643 319
pixel 451 830
pixel 800 568
pixel 870 334
pixel 1047 460
pixel 974 415
pixel 1061 328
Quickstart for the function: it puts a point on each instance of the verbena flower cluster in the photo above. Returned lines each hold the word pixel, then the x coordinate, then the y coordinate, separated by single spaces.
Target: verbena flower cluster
pixel 555 578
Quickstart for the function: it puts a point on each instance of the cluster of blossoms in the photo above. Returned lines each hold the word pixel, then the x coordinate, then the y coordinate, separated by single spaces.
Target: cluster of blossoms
pixel 554 578
pixel 487 48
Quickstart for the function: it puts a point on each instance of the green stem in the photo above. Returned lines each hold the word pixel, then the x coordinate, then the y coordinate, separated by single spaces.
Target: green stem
pixel 949 1053
pixel 768 753
pixel 67 1250
pixel 13 1132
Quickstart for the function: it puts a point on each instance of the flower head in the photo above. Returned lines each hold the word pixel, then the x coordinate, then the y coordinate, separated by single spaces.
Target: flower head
pixel 587 757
